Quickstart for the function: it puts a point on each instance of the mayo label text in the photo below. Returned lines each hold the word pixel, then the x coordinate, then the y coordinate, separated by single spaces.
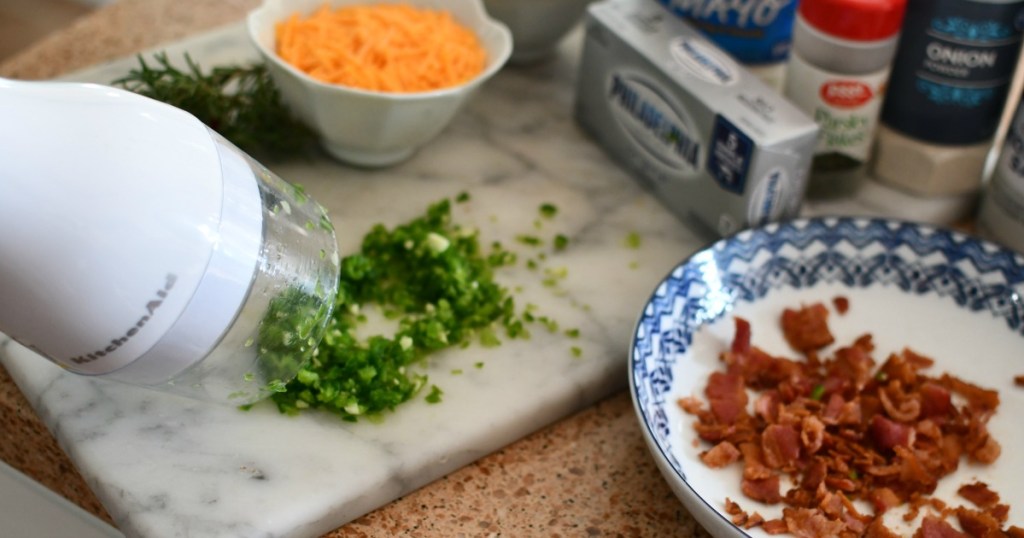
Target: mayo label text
pixel 753 31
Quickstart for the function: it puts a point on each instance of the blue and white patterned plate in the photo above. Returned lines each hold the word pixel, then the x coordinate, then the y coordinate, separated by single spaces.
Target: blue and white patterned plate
pixel 941 293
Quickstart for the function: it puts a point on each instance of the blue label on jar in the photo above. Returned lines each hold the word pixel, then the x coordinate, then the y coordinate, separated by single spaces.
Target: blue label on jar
pixel 953 69
pixel 753 31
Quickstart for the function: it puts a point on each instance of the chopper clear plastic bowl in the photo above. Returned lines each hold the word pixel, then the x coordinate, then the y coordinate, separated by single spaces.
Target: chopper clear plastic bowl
pixel 283 317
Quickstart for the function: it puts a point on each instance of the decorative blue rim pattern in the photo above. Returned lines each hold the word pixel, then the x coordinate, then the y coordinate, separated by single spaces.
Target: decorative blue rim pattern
pixel 854 252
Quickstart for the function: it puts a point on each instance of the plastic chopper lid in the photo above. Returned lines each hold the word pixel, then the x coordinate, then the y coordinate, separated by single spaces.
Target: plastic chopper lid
pixel 856 20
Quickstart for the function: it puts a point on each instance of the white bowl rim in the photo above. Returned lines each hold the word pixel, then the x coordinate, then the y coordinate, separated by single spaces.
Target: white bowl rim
pixel 493 65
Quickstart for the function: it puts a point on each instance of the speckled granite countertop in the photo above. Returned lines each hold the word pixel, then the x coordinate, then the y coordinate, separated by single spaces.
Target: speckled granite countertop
pixel 588 475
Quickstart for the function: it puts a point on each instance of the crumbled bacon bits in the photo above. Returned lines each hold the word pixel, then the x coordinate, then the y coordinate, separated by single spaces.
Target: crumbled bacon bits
pixel 841 303
pixel 721 455
pixel 741 518
pixel 807 329
pixel 979 494
pixel 933 527
pixel 841 428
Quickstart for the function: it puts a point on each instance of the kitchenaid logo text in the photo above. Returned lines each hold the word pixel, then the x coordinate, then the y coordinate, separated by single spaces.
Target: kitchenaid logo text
pixel 115 343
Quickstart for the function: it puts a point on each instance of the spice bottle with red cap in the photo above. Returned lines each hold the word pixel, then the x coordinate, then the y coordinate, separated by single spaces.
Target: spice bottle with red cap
pixel 837 73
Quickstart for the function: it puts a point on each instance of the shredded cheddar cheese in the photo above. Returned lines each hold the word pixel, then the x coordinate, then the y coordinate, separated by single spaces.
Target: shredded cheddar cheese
pixel 381 47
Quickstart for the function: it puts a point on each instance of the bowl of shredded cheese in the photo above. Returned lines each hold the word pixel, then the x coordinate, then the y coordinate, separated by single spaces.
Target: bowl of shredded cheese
pixel 378 80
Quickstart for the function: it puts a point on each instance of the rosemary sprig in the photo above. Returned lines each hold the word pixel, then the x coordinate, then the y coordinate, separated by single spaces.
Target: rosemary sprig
pixel 239 102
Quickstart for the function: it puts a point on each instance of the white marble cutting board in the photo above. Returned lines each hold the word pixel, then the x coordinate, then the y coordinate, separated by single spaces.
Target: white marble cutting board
pixel 165 466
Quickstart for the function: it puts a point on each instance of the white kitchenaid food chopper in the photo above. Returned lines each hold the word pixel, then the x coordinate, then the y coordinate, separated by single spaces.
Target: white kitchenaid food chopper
pixel 138 245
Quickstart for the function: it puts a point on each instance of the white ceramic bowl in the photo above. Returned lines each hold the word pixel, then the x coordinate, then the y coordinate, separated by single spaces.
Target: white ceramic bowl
pixel 909 285
pixel 537 25
pixel 370 128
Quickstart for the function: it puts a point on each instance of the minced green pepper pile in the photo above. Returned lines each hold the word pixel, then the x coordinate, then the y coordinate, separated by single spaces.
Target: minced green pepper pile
pixel 431 277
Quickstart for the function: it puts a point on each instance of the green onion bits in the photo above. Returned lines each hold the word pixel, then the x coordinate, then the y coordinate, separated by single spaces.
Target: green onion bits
pixel 433 279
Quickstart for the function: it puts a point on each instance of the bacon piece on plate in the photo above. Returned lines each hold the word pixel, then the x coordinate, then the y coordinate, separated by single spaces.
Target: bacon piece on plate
pixel 753 466
pixel 775 526
pixel 935 400
pixel 882 499
pixel 852 412
pixel 814 474
pixel 807 329
pixel 979 494
pixel 897 367
pixel 929 430
pixel 1015 532
pixel 714 433
pixel 951 448
pixel 765 490
pixel 754 520
pixel 854 520
pixel 888 434
pixel 721 455
pixel 988 451
pixel 978 524
pixel 839 411
pixel 918 361
pixel 767 406
pixel 832 505
pixel 732 507
pixel 812 434
pixel 854 363
pixel 854 526
pixel 739 517
pixel 978 399
pixel 776 371
pixel 841 483
pixel 830 414
pixel 691 404
pixel 780 446
pixel 877 529
pixel 727 396
pixel 903 408
pixel 809 523
pixel 914 473
pixel 741 339
pixel 841 303
pixel 933 527
pixel 1000 512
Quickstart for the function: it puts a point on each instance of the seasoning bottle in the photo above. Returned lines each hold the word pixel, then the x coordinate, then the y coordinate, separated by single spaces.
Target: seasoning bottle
pixel 757 33
pixel 1001 215
pixel 842 51
pixel 947 93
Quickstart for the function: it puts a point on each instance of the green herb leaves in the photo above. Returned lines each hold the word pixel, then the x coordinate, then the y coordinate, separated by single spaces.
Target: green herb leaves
pixel 433 279
pixel 241 103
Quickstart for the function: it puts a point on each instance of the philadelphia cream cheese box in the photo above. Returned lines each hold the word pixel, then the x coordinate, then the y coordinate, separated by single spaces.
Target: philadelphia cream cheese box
pixel 715 144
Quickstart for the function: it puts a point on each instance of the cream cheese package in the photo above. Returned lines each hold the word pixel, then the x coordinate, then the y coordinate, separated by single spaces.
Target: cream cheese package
pixel 714 143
